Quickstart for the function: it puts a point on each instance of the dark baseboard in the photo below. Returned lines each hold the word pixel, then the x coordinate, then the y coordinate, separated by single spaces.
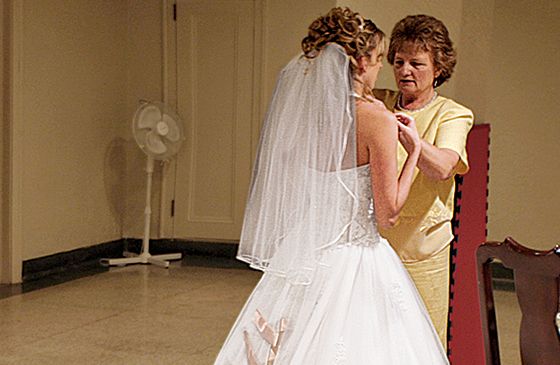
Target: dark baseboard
pixel 195 253
pixel 186 247
pixel 87 258
pixel 61 267
pixel 58 263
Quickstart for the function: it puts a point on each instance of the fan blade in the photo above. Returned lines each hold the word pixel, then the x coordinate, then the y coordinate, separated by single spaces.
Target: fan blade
pixel 154 143
pixel 174 133
pixel 149 117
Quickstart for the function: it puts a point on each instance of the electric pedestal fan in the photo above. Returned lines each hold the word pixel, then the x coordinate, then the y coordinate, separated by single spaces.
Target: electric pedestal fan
pixel 158 131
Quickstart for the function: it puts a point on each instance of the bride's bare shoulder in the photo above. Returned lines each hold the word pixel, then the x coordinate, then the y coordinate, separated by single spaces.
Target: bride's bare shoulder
pixel 374 116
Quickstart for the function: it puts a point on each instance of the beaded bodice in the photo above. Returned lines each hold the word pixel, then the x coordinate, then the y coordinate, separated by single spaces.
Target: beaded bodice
pixel 362 230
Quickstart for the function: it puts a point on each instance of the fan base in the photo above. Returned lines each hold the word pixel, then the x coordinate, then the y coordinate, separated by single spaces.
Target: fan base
pixel 132 258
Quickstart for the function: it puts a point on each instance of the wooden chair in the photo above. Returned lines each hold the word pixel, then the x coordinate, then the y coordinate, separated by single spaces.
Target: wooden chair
pixel 536 275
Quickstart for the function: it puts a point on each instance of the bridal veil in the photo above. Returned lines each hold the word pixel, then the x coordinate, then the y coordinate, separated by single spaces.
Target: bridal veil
pixel 302 196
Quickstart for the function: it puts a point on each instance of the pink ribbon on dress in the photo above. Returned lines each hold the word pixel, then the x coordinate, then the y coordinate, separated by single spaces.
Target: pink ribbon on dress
pixel 272 337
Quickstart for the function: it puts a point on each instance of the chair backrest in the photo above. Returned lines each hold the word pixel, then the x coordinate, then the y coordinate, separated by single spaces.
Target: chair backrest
pixel 536 275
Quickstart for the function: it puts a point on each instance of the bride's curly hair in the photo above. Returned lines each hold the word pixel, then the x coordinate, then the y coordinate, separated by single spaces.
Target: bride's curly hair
pixel 357 35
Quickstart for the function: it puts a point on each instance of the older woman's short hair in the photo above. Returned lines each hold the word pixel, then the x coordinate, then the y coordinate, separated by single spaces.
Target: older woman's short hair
pixel 431 35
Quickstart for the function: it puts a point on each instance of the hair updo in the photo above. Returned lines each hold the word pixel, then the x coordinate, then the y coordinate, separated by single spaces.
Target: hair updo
pixel 357 35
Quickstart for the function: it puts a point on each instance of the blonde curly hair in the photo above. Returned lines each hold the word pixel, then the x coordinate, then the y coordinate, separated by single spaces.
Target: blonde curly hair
pixel 357 35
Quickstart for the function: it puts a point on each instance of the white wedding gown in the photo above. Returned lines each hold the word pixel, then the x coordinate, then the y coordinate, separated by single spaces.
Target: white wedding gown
pixel 361 307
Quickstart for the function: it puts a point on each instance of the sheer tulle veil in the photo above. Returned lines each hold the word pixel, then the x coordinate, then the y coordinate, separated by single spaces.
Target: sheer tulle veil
pixel 302 196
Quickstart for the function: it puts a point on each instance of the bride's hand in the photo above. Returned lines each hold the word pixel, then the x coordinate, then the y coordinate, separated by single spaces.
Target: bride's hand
pixel 408 134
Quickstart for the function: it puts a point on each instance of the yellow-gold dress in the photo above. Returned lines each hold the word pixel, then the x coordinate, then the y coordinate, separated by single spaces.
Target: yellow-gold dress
pixel 423 234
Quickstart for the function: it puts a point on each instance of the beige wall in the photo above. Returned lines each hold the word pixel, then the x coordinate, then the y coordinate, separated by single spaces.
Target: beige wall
pixel 522 106
pixel 73 100
pixel 144 56
pixel 473 75
pixel 3 145
pixel 86 63
pixel 285 24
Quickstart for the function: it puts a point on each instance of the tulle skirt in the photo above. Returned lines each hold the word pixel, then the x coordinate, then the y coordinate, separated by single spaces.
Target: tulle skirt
pixel 360 308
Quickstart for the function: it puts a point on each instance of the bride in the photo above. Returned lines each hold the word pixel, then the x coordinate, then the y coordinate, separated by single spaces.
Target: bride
pixel 333 290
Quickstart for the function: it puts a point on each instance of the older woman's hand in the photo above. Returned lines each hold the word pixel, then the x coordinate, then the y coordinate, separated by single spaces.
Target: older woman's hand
pixel 408 134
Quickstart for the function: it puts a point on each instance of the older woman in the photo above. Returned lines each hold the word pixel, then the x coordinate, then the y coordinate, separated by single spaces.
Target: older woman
pixel 423 58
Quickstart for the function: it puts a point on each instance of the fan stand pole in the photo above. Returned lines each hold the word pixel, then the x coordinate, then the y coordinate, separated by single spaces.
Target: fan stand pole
pixel 145 257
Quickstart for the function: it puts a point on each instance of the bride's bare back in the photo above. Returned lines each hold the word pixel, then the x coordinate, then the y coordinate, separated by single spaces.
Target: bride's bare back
pixel 377 139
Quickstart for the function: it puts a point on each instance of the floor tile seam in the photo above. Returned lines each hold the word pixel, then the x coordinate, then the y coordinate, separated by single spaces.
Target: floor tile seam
pixel 207 285
pixel 10 349
pixel 202 351
pixel 116 307
pixel 70 306
pixel 150 358
pixel 123 353
pixel 17 349
pixel 69 329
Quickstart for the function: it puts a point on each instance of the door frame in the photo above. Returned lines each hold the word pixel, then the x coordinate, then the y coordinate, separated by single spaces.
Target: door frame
pixel 12 218
pixel 170 95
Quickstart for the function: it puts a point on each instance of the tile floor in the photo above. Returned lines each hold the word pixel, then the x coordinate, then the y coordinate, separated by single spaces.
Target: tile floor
pixel 148 315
